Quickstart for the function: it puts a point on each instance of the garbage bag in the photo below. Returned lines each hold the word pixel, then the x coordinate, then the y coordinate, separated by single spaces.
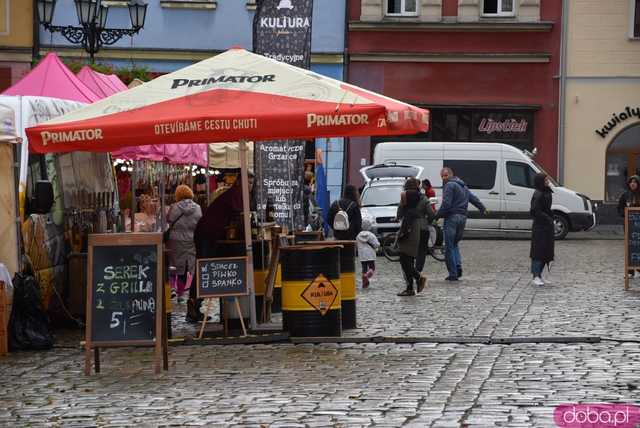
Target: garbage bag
pixel 29 326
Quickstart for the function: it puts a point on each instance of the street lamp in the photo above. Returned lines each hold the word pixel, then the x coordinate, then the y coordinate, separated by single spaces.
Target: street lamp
pixel 92 17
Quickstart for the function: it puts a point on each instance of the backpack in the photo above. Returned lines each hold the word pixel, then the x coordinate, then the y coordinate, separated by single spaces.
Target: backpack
pixel 341 220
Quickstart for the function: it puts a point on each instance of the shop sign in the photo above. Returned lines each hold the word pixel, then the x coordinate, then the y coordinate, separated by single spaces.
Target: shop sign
pixel 617 118
pixel 503 126
pixel 320 293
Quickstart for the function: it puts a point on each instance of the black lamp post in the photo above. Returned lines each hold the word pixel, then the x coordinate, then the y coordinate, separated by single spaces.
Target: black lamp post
pixel 92 33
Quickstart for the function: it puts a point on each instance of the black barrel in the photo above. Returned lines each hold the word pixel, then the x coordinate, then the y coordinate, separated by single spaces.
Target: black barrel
pixel 311 298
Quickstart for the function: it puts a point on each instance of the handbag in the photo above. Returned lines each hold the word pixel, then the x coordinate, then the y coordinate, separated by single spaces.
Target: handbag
pixel 167 233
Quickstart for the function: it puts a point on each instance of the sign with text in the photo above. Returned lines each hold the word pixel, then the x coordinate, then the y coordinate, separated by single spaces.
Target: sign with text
pixel 510 125
pixel 125 287
pixel 220 277
pixel 282 31
pixel 320 293
pixel 279 170
pixel 632 241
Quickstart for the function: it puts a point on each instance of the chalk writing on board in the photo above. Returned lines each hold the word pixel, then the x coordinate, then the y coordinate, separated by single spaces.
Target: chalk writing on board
pixel 218 277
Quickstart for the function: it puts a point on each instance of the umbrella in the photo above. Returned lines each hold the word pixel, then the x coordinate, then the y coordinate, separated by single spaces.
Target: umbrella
pixel 234 96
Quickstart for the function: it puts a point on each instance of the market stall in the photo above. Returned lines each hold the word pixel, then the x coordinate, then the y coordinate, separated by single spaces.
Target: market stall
pixel 262 99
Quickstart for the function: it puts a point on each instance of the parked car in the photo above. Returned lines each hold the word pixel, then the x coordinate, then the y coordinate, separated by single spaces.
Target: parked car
pixel 500 175
pixel 381 194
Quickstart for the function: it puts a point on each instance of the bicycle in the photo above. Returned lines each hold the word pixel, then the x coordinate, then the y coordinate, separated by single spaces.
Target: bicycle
pixel 435 247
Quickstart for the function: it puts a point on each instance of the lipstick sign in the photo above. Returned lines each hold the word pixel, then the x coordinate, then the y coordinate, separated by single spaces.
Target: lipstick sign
pixel 632 242
pixel 222 277
pixel 125 295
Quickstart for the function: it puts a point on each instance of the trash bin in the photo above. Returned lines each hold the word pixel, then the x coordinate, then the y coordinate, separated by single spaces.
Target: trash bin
pixel 311 298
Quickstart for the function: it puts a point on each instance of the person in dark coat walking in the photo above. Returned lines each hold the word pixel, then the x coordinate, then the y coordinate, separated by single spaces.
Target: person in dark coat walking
pixel 412 211
pixel 542 233
pixel 629 199
pixel 349 203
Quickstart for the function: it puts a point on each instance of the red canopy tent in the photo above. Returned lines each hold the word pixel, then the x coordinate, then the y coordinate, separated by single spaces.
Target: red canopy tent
pixel 235 96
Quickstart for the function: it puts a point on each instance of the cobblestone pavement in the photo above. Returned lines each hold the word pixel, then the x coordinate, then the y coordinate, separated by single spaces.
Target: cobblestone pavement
pixel 381 384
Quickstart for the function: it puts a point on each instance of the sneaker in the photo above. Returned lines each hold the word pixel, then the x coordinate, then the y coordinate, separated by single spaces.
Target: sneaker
pixel 459 271
pixel 181 300
pixel 422 282
pixel 407 292
pixel 537 281
pixel 451 278
pixel 174 294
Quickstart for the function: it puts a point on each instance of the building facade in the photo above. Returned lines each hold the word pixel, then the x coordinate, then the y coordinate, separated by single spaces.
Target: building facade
pixel 16 40
pixel 178 33
pixel 601 144
pixel 487 69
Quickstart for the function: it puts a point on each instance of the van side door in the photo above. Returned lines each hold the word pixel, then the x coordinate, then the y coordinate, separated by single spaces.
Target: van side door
pixel 518 192
pixel 484 179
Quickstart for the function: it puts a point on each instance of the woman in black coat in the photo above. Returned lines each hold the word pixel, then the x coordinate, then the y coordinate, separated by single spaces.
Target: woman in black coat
pixel 542 236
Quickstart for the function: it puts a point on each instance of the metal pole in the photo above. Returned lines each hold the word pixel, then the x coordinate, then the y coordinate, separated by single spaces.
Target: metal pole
pixel 246 212
pixel 207 186
pixel 563 90
pixel 162 196
pixel 134 179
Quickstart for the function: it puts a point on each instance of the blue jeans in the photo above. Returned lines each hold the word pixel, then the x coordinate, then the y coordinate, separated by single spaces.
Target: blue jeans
pixel 536 268
pixel 453 229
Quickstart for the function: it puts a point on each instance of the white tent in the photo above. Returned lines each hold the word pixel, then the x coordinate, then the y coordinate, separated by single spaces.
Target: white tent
pixel 8 202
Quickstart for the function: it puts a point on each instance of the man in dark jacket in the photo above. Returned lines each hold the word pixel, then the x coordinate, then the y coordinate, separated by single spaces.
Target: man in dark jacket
pixel 455 201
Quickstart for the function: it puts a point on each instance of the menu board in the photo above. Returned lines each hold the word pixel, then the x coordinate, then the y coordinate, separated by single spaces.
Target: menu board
pixel 219 277
pixel 124 287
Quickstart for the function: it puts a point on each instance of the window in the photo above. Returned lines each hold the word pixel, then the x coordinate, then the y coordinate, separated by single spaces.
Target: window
pixel 475 173
pixel 498 8
pixel 635 16
pixel 402 8
pixel 377 196
pixel 520 174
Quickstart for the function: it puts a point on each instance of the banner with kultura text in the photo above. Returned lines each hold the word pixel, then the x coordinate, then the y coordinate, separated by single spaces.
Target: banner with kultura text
pixel 282 31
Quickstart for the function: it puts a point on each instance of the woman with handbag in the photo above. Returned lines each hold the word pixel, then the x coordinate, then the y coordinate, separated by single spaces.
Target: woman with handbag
pixel 183 217
pixel 411 212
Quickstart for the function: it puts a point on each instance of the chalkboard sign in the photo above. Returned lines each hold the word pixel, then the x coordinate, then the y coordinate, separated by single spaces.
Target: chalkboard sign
pixel 221 277
pixel 124 292
pixel 632 241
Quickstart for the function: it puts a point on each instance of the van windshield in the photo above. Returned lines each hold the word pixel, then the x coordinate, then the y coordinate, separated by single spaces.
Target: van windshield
pixel 541 169
pixel 381 196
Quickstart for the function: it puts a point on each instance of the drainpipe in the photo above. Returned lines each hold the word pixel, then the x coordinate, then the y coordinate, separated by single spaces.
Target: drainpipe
pixel 345 78
pixel 563 90
pixel 35 51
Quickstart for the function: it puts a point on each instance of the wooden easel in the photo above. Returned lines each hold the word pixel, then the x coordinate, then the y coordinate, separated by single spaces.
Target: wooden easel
pixel 225 317
pixel 270 281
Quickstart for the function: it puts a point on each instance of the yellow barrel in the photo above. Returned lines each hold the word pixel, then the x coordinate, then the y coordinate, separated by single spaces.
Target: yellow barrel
pixel 347 281
pixel 311 298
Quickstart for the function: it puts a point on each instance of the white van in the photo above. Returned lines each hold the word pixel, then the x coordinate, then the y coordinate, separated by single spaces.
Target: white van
pixel 500 175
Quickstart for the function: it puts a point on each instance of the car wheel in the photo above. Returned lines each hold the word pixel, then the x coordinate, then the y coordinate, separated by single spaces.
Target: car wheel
pixel 560 226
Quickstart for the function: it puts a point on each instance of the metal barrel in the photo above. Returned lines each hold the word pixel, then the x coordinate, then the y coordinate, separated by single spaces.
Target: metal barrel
pixel 311 298
pixel 347 281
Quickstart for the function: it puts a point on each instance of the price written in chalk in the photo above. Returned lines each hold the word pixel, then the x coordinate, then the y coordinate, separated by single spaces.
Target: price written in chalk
pixel 124 293
pixel 221 277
